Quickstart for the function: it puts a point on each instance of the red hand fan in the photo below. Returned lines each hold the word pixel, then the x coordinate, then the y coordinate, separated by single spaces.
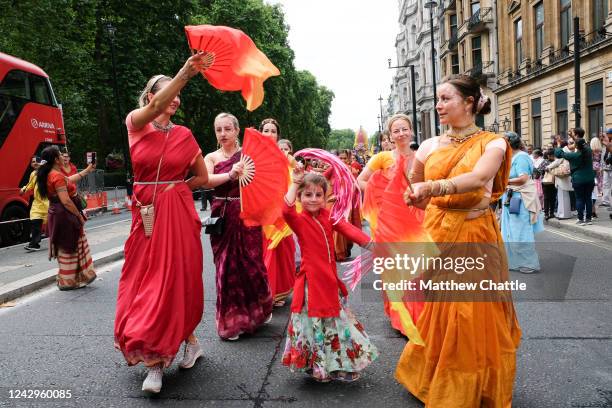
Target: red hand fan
pixel 237 64
pixel 264 180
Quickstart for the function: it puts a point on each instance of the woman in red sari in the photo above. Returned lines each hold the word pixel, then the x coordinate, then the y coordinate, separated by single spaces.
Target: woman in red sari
pixel 244 301
pixel 279 257
pixel 161 299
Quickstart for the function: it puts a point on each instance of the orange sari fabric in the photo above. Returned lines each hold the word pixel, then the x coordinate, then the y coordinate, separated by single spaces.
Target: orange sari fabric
pixel 469 357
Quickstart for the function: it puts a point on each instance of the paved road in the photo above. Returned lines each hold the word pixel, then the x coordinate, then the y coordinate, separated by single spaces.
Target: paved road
pixel 63 340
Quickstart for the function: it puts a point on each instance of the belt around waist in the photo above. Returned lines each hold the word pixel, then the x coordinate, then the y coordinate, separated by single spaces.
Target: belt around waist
pixel 150 183
pixel 226 198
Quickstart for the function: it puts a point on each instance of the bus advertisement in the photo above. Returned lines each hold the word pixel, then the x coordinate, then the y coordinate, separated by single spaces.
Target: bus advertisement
pixel 30 120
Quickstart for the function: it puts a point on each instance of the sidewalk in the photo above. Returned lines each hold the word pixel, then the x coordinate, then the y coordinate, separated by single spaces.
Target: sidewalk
pixel 24 272
pixel 601 228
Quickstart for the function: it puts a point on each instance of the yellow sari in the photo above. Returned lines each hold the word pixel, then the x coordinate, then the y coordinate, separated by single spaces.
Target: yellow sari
pixel 469 357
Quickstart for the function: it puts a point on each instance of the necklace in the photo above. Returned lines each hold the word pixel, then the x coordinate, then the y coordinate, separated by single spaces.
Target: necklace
pixel 163 128
pixel 464 134
pixel 228 156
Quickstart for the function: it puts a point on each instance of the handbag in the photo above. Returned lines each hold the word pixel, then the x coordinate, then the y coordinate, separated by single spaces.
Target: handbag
pixel 147 212
pixel 215 225
pixel 515 203
pixel 563 170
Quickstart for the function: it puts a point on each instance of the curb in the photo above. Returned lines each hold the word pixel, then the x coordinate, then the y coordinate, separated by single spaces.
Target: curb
pixel 30 284
pixel 580 230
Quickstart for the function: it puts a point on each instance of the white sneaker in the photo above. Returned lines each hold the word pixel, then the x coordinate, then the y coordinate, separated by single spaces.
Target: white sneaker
pixel 234 338
pixel 192 353
pixel 153 382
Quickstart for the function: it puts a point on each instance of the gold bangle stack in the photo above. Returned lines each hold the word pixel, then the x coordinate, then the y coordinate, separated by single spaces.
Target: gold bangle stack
pixel 445 187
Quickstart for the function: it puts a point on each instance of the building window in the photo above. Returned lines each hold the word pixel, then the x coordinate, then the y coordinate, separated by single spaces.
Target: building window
pixel 453 26
pixel 475 7
pixel 539 29
pixel 561 113
pixel 566 21
pixel 455 63
pixel 594 96
pixel 516 117
pixel 518 40
pixel 600 12
pixel 476 52
pixel 536 121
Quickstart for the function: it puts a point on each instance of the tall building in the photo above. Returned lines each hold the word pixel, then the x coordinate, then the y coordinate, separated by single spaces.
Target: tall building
pixel 536 92
pixel 468 46
pixel 413 47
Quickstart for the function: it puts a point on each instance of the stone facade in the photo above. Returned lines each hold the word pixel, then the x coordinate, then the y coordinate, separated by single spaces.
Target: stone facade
pixel 413 47
pixel 535 91
pixel 469 45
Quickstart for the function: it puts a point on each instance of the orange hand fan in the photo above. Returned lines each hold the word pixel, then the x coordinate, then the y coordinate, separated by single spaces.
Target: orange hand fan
pixel 237 64
pixel 264 180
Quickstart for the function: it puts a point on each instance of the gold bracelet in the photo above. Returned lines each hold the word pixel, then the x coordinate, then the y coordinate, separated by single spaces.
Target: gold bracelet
pixel 452 183
pixel 431 187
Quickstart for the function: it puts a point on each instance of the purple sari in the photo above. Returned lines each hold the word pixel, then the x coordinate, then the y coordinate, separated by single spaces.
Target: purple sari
pixel 244 300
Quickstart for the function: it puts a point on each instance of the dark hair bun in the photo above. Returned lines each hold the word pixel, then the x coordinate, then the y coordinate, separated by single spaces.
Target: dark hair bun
pixel 486 108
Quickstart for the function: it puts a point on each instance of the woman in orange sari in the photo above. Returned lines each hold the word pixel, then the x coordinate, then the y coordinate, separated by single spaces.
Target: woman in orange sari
pixel 469 356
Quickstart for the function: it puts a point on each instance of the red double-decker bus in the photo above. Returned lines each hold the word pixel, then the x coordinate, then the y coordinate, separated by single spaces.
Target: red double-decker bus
pixel 30 120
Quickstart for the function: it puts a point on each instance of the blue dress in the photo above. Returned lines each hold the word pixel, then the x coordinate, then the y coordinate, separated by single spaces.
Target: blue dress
pixel 517 231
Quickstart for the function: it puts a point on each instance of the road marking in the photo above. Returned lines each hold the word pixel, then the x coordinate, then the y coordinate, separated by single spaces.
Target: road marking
pixel 572 237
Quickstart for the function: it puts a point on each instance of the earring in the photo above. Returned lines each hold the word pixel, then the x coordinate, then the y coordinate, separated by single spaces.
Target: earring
pixel 218 145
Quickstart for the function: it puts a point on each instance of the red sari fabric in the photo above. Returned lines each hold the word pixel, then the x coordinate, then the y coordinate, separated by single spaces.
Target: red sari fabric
pixel 161 297
pixel 280 264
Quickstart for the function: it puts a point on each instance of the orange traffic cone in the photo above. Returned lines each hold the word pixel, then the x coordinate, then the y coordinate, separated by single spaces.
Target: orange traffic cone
pixel 116 209
pixel 128 203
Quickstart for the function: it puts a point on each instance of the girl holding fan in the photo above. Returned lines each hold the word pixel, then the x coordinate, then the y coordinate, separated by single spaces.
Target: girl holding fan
pixel 324 339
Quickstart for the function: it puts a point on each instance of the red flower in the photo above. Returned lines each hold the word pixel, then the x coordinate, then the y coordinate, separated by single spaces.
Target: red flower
pixel 300 361
pixel 335 343
pixel 350 354
pixel 287 359
pixel 290 331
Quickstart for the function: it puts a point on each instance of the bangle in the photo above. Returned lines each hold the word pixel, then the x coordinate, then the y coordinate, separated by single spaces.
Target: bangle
pixel 229 174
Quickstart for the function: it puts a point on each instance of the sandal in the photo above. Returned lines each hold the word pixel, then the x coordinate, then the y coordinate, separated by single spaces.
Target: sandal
pixel 279 303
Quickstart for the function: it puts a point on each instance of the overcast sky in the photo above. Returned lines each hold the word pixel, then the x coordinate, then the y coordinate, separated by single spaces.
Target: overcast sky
pixel 345 44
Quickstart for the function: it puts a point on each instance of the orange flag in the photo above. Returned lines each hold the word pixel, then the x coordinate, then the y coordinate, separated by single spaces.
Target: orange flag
pixel 238 64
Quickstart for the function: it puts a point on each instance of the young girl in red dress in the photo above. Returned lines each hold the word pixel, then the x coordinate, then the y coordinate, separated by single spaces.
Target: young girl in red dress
pixel 324 339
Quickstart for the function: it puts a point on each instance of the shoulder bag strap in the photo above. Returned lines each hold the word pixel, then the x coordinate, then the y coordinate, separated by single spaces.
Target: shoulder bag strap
pixel 158 169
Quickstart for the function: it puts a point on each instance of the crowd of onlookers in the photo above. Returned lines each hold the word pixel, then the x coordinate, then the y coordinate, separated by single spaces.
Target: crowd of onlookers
pixel 574 175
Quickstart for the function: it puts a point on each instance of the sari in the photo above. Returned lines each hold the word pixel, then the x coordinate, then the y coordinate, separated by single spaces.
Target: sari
pixel 244 301
pixel 160 299
pixel 469 357
pixel 67 240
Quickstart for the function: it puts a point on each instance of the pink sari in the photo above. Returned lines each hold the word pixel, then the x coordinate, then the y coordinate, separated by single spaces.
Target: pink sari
pixel 161 297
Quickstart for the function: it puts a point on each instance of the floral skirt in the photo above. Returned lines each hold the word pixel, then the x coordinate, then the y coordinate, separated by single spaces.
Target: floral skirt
pixel 322 346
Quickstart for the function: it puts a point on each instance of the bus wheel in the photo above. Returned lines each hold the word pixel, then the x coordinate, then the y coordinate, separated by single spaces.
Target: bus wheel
pixel 15 232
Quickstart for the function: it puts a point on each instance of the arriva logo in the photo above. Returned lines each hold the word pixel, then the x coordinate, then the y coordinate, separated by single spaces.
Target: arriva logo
pixel 43 125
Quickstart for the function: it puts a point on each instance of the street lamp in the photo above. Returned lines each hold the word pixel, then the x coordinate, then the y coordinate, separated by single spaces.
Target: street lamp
pixel 111 30
pixel 506 123
pixel 495 126
pixel 430 5
pixel 413 88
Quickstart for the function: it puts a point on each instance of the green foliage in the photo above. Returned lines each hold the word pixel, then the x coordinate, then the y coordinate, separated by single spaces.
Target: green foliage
pixel 340 139
pixel 69 40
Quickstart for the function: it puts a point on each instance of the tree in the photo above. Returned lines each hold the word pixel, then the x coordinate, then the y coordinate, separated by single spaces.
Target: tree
pixel 340 139
pixel 72 45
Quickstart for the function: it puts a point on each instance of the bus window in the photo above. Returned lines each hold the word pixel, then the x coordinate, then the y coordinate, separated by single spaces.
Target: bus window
pixel 15 84
pixel 40 90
